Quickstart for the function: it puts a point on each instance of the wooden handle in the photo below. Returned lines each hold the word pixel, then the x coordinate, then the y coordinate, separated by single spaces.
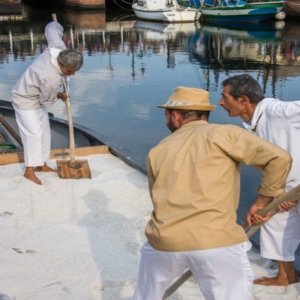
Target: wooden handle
pixel 71 131
pixel 70 122
pixel 292 195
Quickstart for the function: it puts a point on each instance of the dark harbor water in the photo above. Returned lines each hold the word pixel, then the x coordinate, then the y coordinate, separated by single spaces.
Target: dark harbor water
pixel 132 66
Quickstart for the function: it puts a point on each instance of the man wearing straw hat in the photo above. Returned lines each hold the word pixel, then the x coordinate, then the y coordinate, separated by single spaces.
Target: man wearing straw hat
pixel 194 181
pixel 36 90
pixel 277 122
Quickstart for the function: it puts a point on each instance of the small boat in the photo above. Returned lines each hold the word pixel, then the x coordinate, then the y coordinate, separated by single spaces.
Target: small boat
pixel 86 140
pixel 59 133
pixel 165 11
pixel 242 11
pixel 224 11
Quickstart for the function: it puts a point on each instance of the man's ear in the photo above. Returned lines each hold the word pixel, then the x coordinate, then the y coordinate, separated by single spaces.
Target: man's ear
pixel 245 102
pixel 176 119
pixel 244 99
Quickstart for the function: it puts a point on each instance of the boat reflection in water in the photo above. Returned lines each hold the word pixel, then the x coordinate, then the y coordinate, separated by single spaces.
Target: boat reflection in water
pixel 223 49
pixel 159 30
pixel 272 52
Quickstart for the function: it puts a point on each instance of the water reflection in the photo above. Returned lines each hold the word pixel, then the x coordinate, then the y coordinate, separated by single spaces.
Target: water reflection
pixel 272 54
pixel 211 47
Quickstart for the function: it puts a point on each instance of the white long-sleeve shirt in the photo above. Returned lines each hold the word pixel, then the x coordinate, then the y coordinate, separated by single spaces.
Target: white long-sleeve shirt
pixel 279 123
pixel 54 35
pixel 40 83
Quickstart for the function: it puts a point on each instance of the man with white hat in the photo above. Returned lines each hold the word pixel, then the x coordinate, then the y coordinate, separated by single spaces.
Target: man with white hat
pixel 194 181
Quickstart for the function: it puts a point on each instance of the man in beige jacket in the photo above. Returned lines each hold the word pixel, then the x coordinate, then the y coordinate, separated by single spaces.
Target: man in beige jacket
pixel 194 181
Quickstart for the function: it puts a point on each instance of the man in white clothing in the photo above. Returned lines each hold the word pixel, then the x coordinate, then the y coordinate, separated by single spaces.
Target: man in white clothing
pixel 277 122
pixel 38 88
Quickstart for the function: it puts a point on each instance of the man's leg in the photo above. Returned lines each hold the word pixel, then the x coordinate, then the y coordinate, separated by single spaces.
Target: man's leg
pixel 223 273
pixel 46 141
pixel 157 270
pixel 286 275
pixel 30 174
pixel 30 123
pixel 279 240
pixel 44 168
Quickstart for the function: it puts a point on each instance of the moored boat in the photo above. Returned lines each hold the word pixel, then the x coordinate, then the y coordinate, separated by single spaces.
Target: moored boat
pixel 242 11
pixel 225 11
pixel 86 140
pixel 164 11
pixel 59 132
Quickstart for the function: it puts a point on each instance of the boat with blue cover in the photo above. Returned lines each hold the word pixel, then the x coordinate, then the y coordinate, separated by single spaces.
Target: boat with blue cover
pixel 224 11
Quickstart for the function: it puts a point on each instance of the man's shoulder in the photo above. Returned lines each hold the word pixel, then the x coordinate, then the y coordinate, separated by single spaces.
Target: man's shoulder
pixel 272 103
pixel 42 66
pixel 279 108
pixel 43 58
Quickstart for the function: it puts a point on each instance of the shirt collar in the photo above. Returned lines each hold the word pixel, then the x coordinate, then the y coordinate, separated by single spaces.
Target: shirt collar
pixel 192 123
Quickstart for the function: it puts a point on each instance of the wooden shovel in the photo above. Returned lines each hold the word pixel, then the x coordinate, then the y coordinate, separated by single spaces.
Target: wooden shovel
pixel 71 168
pixel 272 208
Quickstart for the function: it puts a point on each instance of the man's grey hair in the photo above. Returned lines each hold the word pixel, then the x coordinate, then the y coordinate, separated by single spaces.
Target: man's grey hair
pixel 244 85
pixel 70 58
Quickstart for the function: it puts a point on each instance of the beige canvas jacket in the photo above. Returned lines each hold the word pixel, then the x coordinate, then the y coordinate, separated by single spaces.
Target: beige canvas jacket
pixel 194 181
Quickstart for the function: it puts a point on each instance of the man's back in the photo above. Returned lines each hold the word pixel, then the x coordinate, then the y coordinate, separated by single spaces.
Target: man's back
pixel 38 83
pixel 194 179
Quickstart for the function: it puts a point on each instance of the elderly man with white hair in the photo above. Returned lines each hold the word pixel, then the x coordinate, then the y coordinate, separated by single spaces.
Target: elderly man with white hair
pixel 39 87
pixel 194 181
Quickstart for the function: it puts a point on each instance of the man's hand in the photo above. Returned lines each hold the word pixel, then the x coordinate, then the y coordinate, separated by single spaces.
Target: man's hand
pixel 286 206
pixel 253 217
pixel 63 96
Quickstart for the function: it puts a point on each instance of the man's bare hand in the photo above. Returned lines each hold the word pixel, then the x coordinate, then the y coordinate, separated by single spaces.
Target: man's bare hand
pixel 62 95
pixel 286 206
pixel 253 216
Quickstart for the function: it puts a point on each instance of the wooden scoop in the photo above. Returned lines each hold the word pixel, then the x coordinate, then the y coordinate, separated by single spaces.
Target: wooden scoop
pixel 71 168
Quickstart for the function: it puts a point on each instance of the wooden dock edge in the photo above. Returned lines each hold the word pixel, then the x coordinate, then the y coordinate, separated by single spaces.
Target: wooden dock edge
pixel 17 157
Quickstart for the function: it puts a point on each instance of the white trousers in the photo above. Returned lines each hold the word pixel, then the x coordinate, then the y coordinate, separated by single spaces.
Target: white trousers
pixel 35 134
pixel 221 273
pixel 280 236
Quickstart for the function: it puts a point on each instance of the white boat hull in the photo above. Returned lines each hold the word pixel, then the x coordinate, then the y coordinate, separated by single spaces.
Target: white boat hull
pixel 171 15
